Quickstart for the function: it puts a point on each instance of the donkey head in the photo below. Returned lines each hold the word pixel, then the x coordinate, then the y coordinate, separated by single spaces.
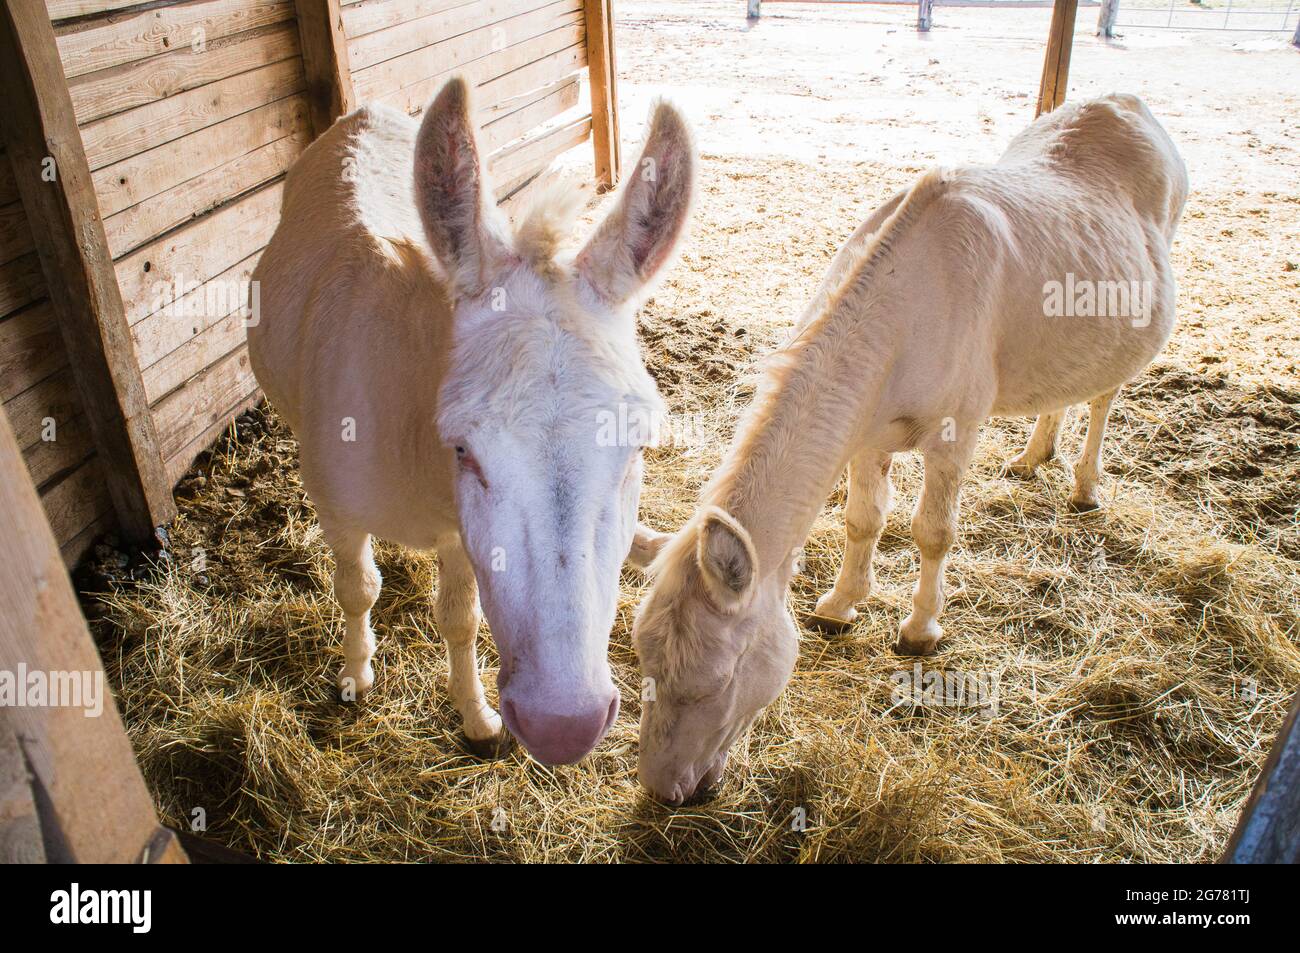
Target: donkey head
pixel 544 357
pixel 716 644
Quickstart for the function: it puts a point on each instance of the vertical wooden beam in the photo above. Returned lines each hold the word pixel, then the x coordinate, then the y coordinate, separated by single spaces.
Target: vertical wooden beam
pixel 49 163
pixel 1269 829
pixel 1056 64
pixel 753 9
pixel 924 15
pixel 602 68
pixel 90 798
pixel 325 60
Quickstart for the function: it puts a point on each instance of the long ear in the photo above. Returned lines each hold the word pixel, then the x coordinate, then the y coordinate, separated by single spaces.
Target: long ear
pixel 727 559
pixel 638 237
pixel 452 194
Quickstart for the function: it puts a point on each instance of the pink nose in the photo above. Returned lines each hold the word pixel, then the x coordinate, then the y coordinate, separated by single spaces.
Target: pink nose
pixel 560 737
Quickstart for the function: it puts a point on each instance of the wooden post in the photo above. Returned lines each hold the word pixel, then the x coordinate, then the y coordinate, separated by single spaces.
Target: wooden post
pixel 753 11
pixel 1269 829
pixel 325 61
pixel 1296 39
pixel 602 66
pixel 49 163
pixel 924 15
pixel 1106 19
pixel 90 800
pixel 1056 64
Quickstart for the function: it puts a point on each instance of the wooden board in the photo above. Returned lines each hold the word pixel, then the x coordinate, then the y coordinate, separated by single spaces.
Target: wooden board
pixel 197 252
pixel 31 349
pixel 603 72
pixel 478 54
pixel 103 93
pixel 130 133
pixel 140 177
pixel 504 16
pixel 551 101
pixel 119 38
pixel 21 283
pixel 73 250
pixel 92 801
pixel 371 15
pixel 136 225
pixel 1056 62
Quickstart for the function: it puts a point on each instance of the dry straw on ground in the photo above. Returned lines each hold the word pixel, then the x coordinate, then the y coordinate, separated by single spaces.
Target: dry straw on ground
pixel 1145 654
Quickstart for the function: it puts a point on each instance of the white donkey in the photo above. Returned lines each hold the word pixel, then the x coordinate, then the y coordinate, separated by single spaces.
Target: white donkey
pixel 939 312
pixel 445 378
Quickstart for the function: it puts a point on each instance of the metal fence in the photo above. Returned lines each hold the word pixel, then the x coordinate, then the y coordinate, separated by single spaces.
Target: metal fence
pixel 1242 16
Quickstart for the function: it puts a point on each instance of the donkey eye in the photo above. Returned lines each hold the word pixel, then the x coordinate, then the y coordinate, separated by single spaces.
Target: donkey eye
pixel 460 452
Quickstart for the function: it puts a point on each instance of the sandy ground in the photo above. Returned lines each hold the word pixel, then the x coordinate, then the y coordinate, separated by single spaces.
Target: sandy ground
pixel 1145 654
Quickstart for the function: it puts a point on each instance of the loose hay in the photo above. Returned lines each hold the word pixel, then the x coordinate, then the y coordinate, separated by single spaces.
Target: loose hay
pixel 1145 654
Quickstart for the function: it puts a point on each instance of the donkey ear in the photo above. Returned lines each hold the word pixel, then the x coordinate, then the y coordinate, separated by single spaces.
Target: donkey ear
pixel 638 237
pixel 727 559
pixel 451 191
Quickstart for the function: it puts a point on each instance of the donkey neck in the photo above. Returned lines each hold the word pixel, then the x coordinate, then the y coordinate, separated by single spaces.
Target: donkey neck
pixel 821 391
pixel 801 431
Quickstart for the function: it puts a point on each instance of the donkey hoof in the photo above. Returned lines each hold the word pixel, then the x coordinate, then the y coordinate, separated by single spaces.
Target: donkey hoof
pixel 353 685
pixel 918 639
pixel 492 748
pixel 1020 468
pixel 1084 504
pixel 830 617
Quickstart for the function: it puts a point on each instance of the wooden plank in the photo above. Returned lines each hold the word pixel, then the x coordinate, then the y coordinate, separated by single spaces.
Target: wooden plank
pixel 551 102
pixel 30 349
pixel 1269 829
pixel 15 235
pixel 46 459
pixel 21 283
pixel 66 9
pixel 129 133
pixel 160 334
pixel 371 15
pixel 8 187
pixel 20 826
pixel 70 240
pixel 79 545
pixel 534 153
pixel 138 224
pixel 74 501
pixel 119 38
pixel 93 803
pixel 207 347
pixel 151 173
pixel 103 93
pixel 1056 62
pixel 204 402
pixel 197 252
pixel 414 35
pixel 602 69
pixel 530 65
pixel 325 60
pixel 53 399
pixel 184 459
pixel 479 52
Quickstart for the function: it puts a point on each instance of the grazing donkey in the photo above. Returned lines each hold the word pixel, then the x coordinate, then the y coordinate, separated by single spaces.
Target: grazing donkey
pixel 938 313
pixel 444 377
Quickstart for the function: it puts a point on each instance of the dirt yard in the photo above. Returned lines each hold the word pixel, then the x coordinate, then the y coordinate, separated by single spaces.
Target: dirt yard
pixel 1144 654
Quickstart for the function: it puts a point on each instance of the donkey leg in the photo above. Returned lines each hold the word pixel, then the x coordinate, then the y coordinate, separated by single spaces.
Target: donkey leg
pixel 356 587
pixel 457 613
pixel 1041 446
pixel 934 529
pixel 871 495
pixel 1087 469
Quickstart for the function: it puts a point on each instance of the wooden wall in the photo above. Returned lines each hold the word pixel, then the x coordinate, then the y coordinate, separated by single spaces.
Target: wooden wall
pixel 188 115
